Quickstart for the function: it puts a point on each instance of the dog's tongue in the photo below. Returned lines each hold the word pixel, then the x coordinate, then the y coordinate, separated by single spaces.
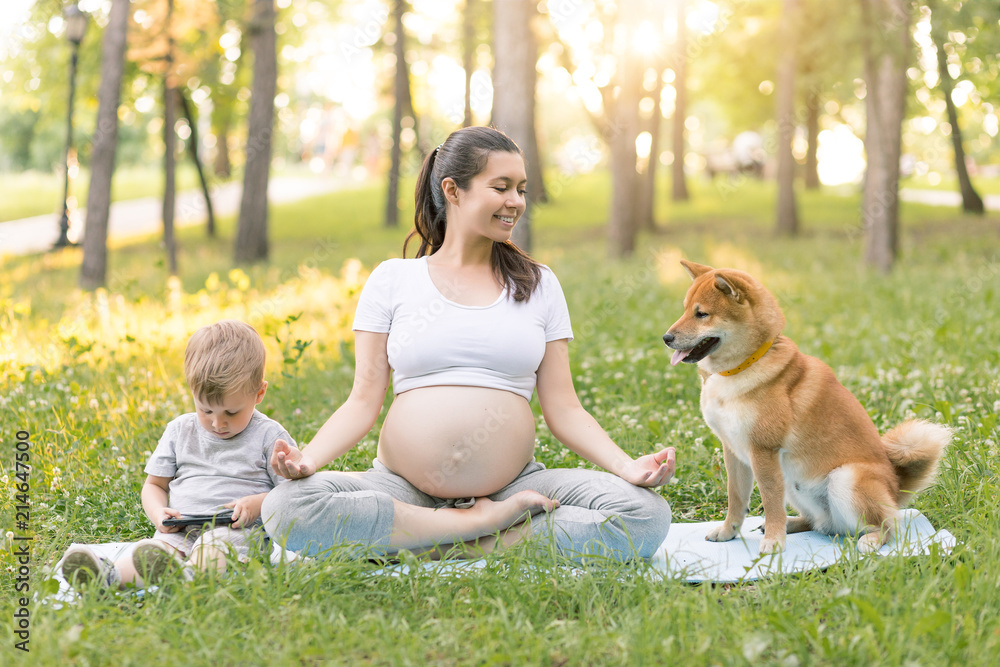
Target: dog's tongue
pixel 678 356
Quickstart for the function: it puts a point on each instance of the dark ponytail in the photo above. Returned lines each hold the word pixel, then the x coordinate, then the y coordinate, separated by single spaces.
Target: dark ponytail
pixel 429 216
pixel 461 157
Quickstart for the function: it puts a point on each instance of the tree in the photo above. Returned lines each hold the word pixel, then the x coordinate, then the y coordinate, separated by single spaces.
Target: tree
pixel 621 102
pixel 469 43
pixel 812 138
pixel 169 145
pixel 617 77
pixel 787 213
pixel 169 45
pixel 736 68
pixel 653 63
pixel 971 201
pixel 193 149
pixel 827 57
pixel 93 271
pixel 251 232
pixel 886 40
pixel 679 189
pixel 403 107
pixel 647 184
pixel 515 55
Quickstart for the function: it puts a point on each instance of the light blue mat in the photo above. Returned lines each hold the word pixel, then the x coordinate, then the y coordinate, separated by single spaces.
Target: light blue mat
pixel 684 555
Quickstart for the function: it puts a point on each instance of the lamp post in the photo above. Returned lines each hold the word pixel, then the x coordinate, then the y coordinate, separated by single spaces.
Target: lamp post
pixel 76 26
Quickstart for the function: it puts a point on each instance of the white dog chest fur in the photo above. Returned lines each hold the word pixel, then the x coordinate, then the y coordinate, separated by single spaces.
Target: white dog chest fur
pixel 729 417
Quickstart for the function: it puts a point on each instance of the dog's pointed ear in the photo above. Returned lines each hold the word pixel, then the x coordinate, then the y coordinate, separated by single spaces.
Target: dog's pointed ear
pixel 695 270
pixel 728 286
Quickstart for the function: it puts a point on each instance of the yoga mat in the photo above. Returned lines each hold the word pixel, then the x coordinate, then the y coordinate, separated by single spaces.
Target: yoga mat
pixel 684 554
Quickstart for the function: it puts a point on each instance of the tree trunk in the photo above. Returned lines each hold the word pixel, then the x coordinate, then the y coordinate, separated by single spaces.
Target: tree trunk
pixel 624 182
pixel 515 54
pixel 193 150
pixel 888 21
pixel 402 94
pixel 622 105
pixel 971 201
pixel 93 271
pixel 647 185
pixel 169 148
pixel 536 172
pixel 679 189
pixel 812 132
pixel 222 167
pixel 251 233
pixel 788 216
pixel 468 56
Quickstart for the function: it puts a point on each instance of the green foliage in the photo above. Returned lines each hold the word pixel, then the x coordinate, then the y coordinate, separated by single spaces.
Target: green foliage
pixel 920 342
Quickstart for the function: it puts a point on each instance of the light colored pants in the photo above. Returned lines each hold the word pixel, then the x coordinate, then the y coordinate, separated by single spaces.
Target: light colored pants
pixel 599 513
pixel 239 540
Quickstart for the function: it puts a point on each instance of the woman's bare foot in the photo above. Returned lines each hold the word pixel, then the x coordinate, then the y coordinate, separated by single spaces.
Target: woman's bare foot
pixel 421 527
pixel 498 515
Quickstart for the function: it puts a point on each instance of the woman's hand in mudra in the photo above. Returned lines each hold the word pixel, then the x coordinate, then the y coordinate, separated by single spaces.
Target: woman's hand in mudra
pixel 288 461
pixel 652 469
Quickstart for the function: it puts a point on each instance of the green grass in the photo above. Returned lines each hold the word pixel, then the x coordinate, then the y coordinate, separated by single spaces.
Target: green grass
pixel 95 378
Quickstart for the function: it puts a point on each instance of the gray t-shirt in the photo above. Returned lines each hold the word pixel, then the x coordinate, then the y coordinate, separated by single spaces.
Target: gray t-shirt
pixel 209 472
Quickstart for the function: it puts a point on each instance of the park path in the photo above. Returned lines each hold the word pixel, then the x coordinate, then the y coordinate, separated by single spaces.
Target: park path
pixel 136 217
pixel 945 198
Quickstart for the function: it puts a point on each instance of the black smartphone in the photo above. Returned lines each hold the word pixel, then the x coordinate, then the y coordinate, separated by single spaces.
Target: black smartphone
pixel 220 519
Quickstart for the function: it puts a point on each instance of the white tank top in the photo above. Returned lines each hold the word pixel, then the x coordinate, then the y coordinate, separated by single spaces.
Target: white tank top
pixel 434 341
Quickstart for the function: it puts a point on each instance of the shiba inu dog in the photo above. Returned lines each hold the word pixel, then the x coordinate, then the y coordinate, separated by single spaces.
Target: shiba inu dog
pixel 784 419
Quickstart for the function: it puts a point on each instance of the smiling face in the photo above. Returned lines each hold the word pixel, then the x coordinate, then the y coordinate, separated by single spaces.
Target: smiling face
pixel 230 416
pixel 494 200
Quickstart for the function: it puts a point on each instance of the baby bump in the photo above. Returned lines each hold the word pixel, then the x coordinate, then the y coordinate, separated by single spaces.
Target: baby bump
pixel 455 442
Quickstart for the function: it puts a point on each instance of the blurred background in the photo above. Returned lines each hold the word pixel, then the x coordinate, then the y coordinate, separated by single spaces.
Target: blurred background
pixel 669 90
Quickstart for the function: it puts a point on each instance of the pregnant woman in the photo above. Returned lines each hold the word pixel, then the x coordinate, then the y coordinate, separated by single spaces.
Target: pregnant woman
pixel 468 329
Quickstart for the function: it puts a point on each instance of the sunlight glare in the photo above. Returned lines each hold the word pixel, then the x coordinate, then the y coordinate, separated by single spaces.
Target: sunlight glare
pixel 645 40
pixel 482 92
pixel 567 14
pixel 703 18
pixel 643 143
pixel 840 156
pixel 446 81
pixel 991 124
pixel 594 32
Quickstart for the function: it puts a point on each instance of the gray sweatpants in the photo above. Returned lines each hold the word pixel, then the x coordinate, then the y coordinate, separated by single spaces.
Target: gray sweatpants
pixel 599 513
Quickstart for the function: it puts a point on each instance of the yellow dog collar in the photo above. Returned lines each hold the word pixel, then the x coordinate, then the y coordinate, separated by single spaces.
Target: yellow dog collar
pixel 754 358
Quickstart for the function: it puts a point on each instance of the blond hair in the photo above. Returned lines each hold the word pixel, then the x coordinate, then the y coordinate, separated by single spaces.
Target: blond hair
pixel 223 358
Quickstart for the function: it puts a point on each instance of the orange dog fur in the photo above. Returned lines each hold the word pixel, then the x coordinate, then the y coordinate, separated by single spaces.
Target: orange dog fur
pixel 784 419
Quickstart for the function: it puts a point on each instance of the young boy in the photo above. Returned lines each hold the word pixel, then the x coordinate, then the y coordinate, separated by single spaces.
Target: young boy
pixel 213 459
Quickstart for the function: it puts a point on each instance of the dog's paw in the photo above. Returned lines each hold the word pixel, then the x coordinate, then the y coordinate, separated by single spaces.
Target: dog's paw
pixel 871 542
pixel 772 545
pixel 722 533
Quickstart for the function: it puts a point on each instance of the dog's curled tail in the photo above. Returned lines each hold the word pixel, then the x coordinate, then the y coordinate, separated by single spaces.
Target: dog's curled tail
pixel 915 448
